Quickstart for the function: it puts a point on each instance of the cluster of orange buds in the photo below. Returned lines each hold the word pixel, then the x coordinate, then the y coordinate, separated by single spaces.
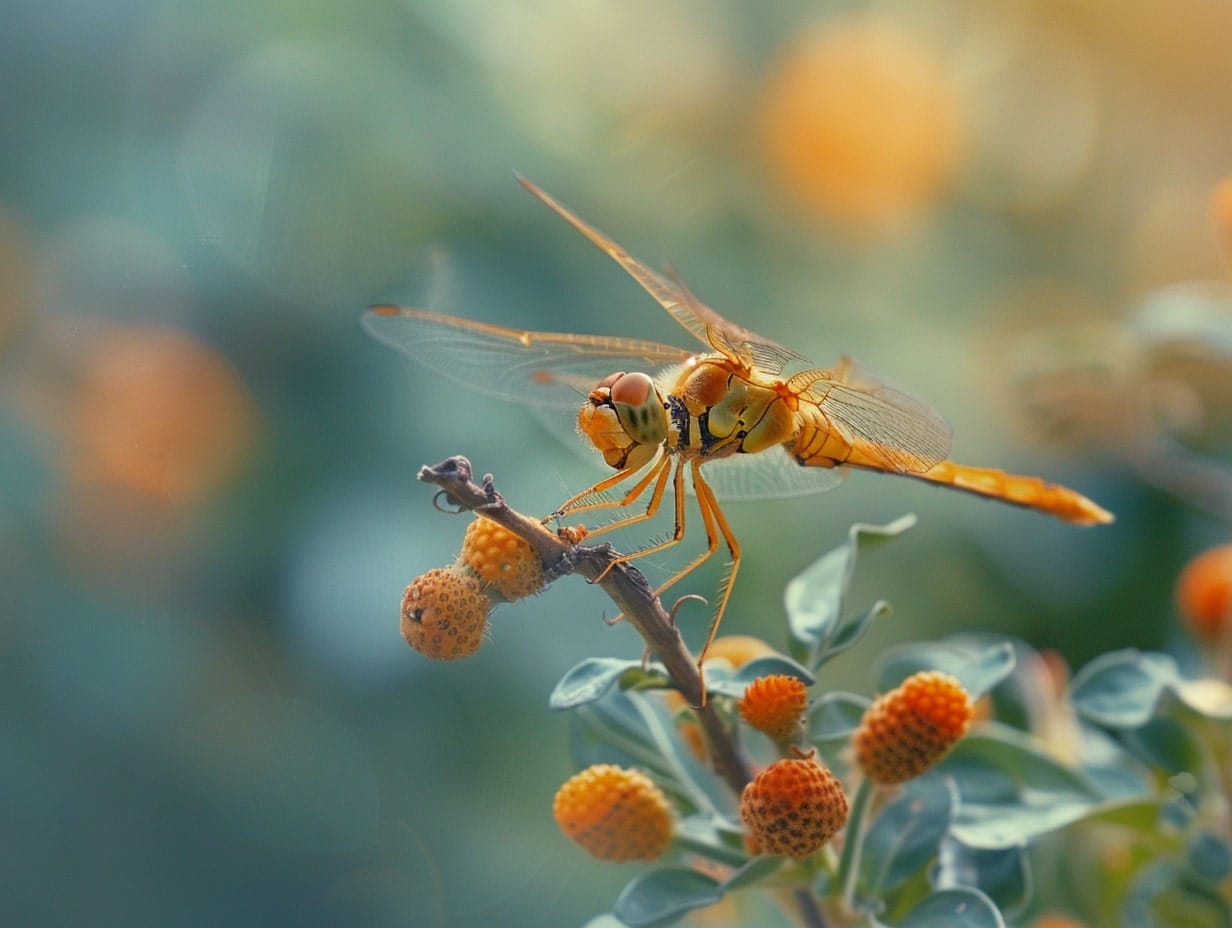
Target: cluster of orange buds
pixel 614 813
pixel 796 805
pixel 445 611
pixel 909 729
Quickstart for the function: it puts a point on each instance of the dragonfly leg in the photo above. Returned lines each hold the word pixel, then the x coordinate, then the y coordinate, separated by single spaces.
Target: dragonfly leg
pixel 655 500
pixel 717 529
pixel 713 516
pixel 660 472
pixel 571 506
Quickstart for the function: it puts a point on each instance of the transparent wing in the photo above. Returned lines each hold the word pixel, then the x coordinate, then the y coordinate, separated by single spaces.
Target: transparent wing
pixel 902 433
pixel 545 370
pixel 769 474
pixel 738 344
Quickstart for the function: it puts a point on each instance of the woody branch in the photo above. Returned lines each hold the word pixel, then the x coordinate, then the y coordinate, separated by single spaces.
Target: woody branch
pixel 623 583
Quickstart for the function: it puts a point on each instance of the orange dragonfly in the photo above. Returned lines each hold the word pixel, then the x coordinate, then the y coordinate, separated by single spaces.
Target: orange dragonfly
pixel 760 420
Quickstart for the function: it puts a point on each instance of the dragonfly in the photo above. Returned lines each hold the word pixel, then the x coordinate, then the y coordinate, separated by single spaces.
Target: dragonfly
pixel 740 417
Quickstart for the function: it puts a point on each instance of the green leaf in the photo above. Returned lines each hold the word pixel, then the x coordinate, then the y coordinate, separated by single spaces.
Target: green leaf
pixel 978 667
pixel 1126 689
pixel 834 717
pixel 707 835
pixel 1003 874
pixel 1166 895
pixel 661 897
pixel 1210 857
pixel 814 600
pixel 993 759
pixel 1166 745
pixel 613 731
pixel 905 836
pixel 734 683
pixel 954 908
pixel 850 631
pixel 753 872
pixel 1013 792
pixel 1121 689
pixel 589 680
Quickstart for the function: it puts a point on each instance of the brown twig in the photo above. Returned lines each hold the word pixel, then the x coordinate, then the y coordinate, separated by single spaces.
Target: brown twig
pixel 624 583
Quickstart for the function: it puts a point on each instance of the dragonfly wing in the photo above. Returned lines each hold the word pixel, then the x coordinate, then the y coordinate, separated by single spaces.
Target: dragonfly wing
pixel 769 474
pixel 900 432
pixel 546 370
pixel 737 343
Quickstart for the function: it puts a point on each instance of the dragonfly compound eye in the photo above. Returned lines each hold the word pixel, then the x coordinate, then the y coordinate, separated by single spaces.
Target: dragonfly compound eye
pixel 640 408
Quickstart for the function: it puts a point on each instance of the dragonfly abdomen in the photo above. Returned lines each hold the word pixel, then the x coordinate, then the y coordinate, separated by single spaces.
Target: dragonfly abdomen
pixel 1031 492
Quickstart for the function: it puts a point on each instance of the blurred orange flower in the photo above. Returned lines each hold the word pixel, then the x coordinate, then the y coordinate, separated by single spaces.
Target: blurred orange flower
pixel 1221 213
pixel 861 124
pixel 157 413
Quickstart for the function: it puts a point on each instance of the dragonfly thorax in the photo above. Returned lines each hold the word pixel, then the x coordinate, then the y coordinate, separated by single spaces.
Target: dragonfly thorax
pixel 625 418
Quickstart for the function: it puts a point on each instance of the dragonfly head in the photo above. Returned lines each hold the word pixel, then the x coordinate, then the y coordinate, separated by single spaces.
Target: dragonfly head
pixel 624 417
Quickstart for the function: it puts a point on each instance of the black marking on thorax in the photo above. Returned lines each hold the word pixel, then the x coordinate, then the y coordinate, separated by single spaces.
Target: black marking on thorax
pixel 681 419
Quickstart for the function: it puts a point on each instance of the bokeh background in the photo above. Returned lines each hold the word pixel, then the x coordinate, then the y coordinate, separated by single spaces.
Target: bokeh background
pixel 207 499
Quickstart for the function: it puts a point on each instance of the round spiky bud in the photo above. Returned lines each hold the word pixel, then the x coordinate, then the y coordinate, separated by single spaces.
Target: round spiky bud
pixel 1204 593
pixel 907 730
pixel 793 807
pixel 736 650
pixel 775 704
pixel 614 813
pixel 506 564
pixel 445 614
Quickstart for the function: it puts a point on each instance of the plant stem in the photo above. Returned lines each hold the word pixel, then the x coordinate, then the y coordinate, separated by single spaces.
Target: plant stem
pixel 626 586
pixel 808 909
pixel 849 861
pixel 630 591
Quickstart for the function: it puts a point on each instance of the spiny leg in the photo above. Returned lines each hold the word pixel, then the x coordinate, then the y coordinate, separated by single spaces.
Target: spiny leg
pixel 568 507
pixel 651 509
pixel 716 526
pixel 709 507
pixel 659 472
pixel 677 533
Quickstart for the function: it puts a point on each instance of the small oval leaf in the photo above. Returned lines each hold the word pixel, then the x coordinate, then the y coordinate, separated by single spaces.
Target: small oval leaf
pixel 834 717
pixel 954 908
pixel 978 667
pixel 589 680
pixel 735 683
pixel 756 870
pixel 1122 689
pixel 1003 874
pixel 906 835
pixel 661 897
pixel 814 599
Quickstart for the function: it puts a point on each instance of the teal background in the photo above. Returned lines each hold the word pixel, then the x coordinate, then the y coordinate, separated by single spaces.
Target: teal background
pixel 207 715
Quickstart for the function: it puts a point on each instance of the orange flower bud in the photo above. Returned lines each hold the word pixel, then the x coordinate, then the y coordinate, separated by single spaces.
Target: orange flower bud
pixel 445 614
pixel 907 730
pixel 793 807
pixel 506 564
pixel 614 813
pixel 775 704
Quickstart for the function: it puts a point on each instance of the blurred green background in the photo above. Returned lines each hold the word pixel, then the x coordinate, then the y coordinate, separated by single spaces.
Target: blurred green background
pixel 207 497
